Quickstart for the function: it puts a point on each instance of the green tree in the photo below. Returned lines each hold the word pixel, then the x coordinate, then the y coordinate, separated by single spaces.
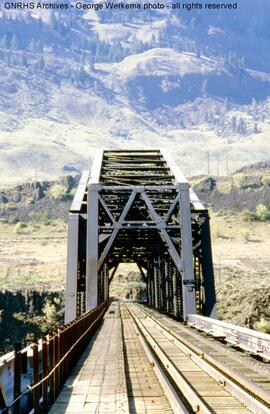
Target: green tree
pixel 266 180
pixel 50 313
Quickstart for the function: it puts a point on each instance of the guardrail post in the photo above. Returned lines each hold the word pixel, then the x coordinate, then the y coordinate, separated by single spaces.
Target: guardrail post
pixel 17 377
pixel 51 395
pixel 61 353
pixel 56 359
pixel 24 364
pixel 44 374
pixel 36 393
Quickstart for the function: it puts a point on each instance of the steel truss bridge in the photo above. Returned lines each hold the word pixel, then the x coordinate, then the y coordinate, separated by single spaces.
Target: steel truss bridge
pixel 137 206
pixel 169 355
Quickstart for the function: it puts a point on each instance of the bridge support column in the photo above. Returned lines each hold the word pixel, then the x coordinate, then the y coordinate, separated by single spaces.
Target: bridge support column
pixel 166 276
pixel 92 248
pixel 159 284
pixel 155 278
pixel 170 286
pixel 151 285
pixel 106 286
pixel 175 292
pixel 209 307
pixel 72 268
pixel 188 281
pixel 163 284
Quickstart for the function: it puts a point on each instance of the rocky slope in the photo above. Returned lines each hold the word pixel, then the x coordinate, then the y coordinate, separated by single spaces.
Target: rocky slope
pixel 45 200
pixel 244 189
pixel 38 201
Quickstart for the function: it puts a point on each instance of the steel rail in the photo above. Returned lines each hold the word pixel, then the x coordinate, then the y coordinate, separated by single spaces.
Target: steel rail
pixel 176 403
pixel 251 395
pixel 189 393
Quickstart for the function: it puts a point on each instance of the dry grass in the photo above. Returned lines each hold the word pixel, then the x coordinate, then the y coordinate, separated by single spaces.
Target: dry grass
pixel 241 266
pixel 35 257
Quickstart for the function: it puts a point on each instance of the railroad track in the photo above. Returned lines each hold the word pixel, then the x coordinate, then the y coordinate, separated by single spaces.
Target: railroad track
pixel 197 380
pixel 142 362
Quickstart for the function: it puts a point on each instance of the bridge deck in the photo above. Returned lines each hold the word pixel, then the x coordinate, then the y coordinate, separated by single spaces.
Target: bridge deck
pixel 120 371
pixel 101 382
pixel 97 384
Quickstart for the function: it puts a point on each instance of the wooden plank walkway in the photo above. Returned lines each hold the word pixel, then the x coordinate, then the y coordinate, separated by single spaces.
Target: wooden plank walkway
pixel 98 384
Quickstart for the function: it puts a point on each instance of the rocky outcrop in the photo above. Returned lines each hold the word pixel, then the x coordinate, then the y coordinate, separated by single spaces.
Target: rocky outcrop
pixel 36 200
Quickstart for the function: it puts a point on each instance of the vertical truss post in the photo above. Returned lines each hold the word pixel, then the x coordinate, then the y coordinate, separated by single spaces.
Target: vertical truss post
pixel 81 271
pixel 149 293
pixel 209 308
pixel 155 279
pixel 152 285
pixel 106 282
pixel 159 279
pixel 174 286
pixel 188 281
pixel 72 267
pixel 165 284
pixel 92 249
pixel 170 286
pixel 179 301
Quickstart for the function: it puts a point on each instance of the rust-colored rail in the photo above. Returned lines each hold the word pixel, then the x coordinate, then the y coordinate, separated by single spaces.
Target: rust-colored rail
pixel 52 360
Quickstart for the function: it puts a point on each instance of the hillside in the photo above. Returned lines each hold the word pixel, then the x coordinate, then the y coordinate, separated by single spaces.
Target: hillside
pixel 242 190
pixel 71 81
pixel 41 201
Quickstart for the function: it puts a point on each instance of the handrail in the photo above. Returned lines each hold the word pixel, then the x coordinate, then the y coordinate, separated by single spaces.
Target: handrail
pixel 53 358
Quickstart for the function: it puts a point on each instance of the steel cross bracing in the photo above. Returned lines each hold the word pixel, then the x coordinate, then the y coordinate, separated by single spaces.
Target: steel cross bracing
pixel 137 206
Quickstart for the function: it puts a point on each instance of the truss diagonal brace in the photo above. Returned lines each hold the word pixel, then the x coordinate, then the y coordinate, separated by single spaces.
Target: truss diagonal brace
pixel 172 207
pixel 107 210
pixel 115 231
pixel 172 250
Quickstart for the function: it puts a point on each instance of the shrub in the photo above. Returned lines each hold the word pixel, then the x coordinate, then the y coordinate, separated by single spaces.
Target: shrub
pixel 19 227
pixel 218 232
pixel 262 212
pixel 263 325
pixel 245 234
pixel 47 222
pixel 49 311
pixel 58 191
pixel 248 215
pixel 220 213
pixel 240 180
pixel 73 191
pixel 266 180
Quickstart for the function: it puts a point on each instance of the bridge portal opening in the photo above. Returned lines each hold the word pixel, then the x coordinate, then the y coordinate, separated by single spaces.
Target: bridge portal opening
pixel 128 281
pixel 137 207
